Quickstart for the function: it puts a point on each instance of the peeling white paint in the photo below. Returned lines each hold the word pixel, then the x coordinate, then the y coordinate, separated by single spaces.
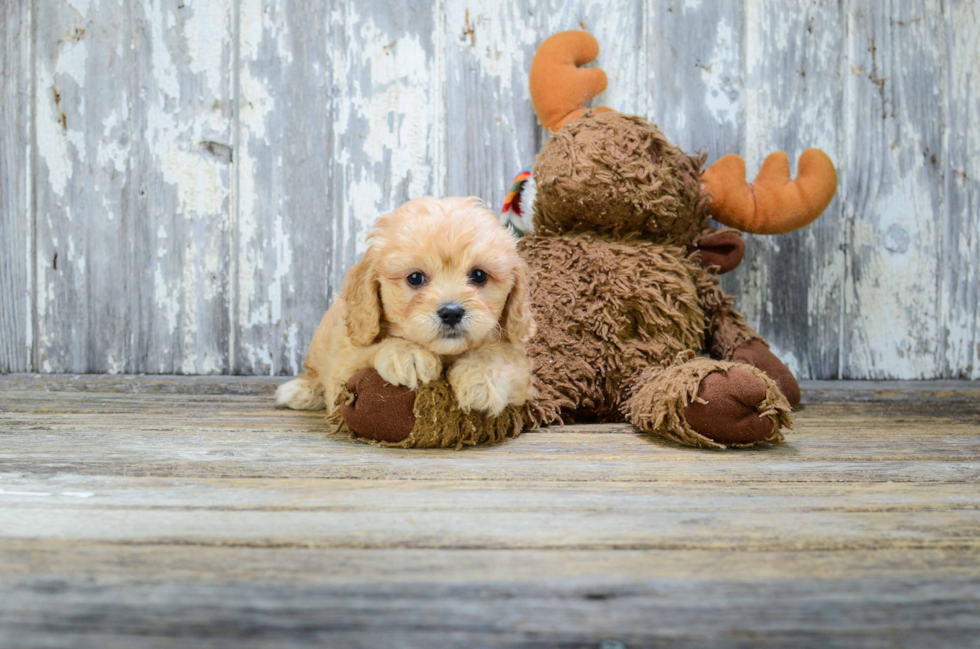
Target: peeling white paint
pixel 389 121
pixel 284 261
pixel 205 52
pixel 720 75
pixel 81 6
pixel 395 108
pixel 112 152
pixel 164 71
pixel 188 324
pixel 52 142
pixel 198 180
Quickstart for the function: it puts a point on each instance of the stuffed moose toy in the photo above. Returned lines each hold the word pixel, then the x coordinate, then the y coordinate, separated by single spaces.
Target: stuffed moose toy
pixel 624 283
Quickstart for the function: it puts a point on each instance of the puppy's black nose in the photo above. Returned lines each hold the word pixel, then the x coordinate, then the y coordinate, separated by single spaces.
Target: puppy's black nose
pixel 451 314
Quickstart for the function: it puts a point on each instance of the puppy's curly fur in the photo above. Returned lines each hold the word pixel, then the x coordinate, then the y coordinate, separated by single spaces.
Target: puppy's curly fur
pixel 426 257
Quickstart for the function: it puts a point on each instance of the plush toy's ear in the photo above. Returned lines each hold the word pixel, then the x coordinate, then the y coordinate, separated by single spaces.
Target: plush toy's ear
pixel 774 203
pixel 362 292
pixel 560 87
pixel 724 249
pixel 516 320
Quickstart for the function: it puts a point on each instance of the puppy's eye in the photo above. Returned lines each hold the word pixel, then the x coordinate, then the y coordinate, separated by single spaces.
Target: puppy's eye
pixel 478 276
pixel 415 279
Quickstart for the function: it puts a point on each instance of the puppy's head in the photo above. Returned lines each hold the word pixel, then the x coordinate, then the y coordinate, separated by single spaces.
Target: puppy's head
pixel 441 273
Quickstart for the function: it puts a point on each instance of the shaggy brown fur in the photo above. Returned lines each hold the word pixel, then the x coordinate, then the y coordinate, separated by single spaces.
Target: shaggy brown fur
pixel 617 174
pixel 621 303
pixel 439 422
pixel 662 393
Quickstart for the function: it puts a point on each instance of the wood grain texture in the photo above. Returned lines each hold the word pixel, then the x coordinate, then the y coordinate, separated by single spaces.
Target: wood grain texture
pixel 288 201
pixel 946 391
pixel 205 172
pixel 85 217
pixel 492 132
pixel 390 133
pixel 795 62
pixel 183 128
pixel 152 518
pixel 16 202
pixel 341 122
pixel 960 287
pixel 892 190
pixel 133 135
pixel 696 87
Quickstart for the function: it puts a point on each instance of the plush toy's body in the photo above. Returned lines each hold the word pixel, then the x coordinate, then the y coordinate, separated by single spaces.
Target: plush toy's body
pixel 623 300
pixel 623 269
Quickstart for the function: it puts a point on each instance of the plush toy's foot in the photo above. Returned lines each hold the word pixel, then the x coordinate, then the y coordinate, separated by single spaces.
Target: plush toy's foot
pixel 708 403
pixel 727 408
pixel 378 410
pixel 755 353
pixel 375 411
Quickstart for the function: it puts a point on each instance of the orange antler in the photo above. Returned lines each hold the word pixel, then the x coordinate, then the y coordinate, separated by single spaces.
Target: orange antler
pixel 559 87
pixel 773 203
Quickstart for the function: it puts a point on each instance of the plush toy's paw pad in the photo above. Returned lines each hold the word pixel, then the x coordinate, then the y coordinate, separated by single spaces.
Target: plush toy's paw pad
pixel 408 365
pixel 756 354
pixel 379 410
pixel 481 388
pixel 731 412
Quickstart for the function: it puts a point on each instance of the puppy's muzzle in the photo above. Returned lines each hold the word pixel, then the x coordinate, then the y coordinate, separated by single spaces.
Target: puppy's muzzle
pixel 450 315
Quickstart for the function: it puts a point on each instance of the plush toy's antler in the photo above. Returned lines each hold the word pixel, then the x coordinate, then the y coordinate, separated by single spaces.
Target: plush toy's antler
pixel 559 87
pixel 773 203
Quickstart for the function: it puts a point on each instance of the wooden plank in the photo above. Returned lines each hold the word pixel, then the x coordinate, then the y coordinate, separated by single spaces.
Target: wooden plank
pixel 133 185
pixel 115 595
pixel 892 190
pixel 16 203
pixel 83 108
pixel 791 286
pixel 389 133
pixel 960 287
pixel 941 391
pixel 867 391
pixel 41 559
pixel 287 197
pixel 696 78
pixel 180 186
pixel 341 123
pixel 492 514
pixel 492 132
pixel 148 518
pixel 181 436
pixel 128 383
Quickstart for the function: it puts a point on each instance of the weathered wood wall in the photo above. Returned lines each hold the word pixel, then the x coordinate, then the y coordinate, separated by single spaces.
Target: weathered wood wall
pixel 185 183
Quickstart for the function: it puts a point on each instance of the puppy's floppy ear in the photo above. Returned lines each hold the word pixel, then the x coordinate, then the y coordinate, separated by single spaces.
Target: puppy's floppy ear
pixel 362 291
pixel 516 320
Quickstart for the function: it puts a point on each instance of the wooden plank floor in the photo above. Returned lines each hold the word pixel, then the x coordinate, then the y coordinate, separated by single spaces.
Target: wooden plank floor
pixel 168 511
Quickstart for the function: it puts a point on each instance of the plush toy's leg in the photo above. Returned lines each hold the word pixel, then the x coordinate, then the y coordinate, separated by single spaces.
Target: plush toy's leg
pixel 756 353
pixel 428 417
pixel 708 403
pixel 731 339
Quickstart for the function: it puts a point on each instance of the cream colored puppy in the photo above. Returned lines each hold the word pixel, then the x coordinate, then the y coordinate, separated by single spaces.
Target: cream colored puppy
pixel 441 285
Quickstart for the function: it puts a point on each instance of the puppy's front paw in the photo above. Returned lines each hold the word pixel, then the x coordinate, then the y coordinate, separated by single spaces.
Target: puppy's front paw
pixel 479 386
pixel 403 363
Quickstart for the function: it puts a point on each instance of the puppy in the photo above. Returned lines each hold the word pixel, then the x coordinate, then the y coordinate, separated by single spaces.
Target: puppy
pixel 441 285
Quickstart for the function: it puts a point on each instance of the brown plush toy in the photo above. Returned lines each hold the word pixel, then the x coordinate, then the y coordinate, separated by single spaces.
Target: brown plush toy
pixel 624 280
